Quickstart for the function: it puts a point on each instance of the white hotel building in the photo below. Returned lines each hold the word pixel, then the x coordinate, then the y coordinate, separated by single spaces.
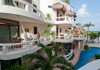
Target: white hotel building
pixel 18 16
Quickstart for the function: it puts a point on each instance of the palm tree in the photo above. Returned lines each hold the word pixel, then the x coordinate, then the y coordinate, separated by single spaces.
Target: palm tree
pixel 78 24
pixel 98 36
pixel 88 25
pixel 56 47
pixel 92 35
pixel 50 62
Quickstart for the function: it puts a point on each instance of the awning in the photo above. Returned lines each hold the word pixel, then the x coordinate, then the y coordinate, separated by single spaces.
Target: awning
pixel 8 24
pixel 57 6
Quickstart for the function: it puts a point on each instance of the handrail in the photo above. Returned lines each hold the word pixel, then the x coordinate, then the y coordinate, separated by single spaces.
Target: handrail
pixel 69 55
pixel 6 46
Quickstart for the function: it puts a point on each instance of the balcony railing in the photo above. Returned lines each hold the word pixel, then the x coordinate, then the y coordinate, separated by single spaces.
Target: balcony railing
pixel 26 6
pixel 9 47
pixel 78 37
pixel 65 19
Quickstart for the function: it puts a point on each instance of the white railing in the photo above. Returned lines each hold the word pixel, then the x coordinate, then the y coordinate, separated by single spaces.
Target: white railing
pixel 65 18
pixel 8 47
pixel 78 36
pixel 28 7
pixel 69 55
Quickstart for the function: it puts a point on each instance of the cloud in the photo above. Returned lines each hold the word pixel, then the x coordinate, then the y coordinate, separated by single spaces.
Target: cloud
pixel 96 14
pixel 83 11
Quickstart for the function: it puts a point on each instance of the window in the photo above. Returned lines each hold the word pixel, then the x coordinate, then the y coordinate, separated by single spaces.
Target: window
pixel 9 2
pixel 9 30
pixel 60 30
pixel 35 30
pixel 29 1
pixel 34 10
pixel 49 6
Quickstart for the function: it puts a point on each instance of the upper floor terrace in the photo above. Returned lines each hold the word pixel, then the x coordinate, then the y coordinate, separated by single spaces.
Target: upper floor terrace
pixel 65 13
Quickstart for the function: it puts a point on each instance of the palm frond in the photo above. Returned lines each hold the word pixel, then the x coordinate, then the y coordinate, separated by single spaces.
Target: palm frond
pixel 61 60
pixel 35 56
pixel 48 52
pixel 34 66
pixel 41 45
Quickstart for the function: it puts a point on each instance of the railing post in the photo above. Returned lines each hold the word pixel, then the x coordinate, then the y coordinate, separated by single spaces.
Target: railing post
pixel 65 18
pixel 4 50
pixel 27 8
pixel 79 45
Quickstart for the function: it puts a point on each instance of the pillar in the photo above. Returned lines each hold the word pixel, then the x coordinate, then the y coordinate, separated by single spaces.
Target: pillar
pixel 1 2
pixel 83 43
pixel 79 44
pixel 4 49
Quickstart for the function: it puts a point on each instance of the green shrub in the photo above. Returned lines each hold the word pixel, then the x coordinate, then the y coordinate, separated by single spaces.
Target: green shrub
pixel 86 47
pixel 97 56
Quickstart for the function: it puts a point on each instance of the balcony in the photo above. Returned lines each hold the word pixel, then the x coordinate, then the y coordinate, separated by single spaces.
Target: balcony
pixel 32 8
pixel 79 37
pixel 17 50
pixel 30 11
pixel 64 20
pixel 63 38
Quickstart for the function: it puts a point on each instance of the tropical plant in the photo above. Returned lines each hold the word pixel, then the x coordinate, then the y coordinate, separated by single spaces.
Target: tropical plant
pixel 98 36
pixel 88 25
pixel 78 24
pixel 56 47
pixel 48 16
pixel 50 62
pixel 48 31
pixel 97 56
pixel 67 1
pixel 16 66
pixel 86 47
pixel 92 35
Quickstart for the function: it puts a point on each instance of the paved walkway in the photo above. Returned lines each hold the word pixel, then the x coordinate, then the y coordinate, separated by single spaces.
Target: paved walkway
pixel 77 55
pixel 95 44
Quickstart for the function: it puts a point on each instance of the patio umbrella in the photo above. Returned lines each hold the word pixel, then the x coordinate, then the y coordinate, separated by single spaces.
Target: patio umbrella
pixel 57 6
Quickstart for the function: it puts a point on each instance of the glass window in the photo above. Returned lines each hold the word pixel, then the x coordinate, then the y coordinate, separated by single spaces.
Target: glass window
pixel 8 30
pixel 34 10
pixel 60 30
pixel 29 1
pixel 4 34
pixel 35 30
pixel 14 32
pixel 9 2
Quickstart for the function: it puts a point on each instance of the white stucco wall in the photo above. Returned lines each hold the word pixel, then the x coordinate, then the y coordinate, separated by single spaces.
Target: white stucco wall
pixel 37 2
pixel 1 2
pixel 40 27
pixel 45 9
pixel 63 28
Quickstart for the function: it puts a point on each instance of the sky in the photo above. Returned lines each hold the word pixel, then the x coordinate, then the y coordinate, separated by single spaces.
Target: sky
pixel 87 11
